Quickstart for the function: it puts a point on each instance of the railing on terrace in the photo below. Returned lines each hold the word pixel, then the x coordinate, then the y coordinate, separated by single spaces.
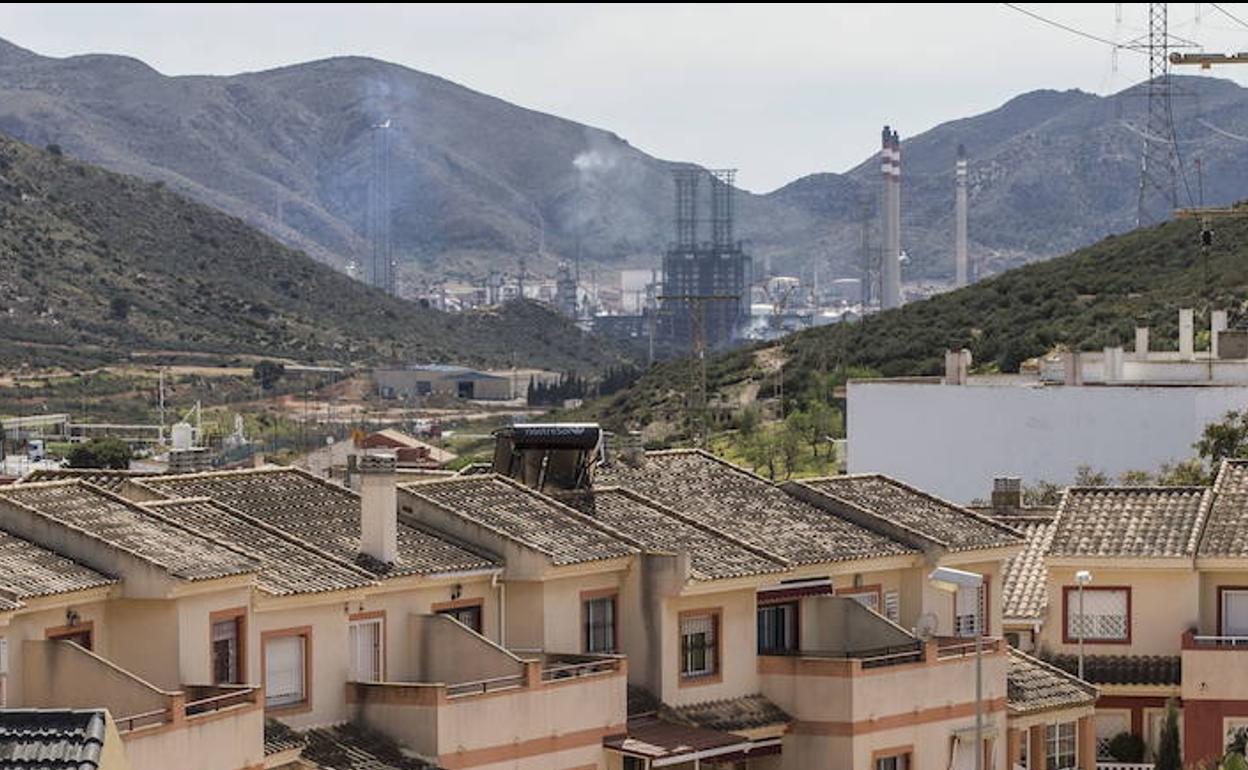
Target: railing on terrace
pixel 870 658
pixel 146 719
pixel 1220 641
pixel 1109 765
pixel 207 699
pixel 553 670
pixel 481 686
pixel 958 647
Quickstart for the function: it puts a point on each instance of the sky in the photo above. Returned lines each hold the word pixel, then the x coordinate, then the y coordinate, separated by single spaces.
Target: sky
pixel 776 91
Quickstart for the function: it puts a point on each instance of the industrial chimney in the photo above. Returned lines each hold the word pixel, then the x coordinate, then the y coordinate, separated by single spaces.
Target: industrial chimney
pixel 379 529
pixel 961 264
pixel 890 269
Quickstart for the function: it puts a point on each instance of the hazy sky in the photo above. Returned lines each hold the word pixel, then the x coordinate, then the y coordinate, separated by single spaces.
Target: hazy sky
pixel 776 91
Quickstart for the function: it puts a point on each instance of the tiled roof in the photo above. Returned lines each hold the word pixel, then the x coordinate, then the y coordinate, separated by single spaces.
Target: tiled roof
pixel 1024 589
pixel 712 555
pixel 28 570
pixel 352 747
pixel 1130 521
pixel 124 525
pixel 103 478
pixel 642 701
pixel 733 714
pixel 522 515
pixel 320 513
pixel 278 737
pixel 1228 516
pixel 952 526
pixel 1123 669
pixel 286 565
pixel 657 738
pixel 1033 685
pixel 60 739
pixel 744 506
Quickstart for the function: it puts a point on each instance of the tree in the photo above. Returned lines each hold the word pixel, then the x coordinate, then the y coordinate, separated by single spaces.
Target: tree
pixel 790 442
pixel 54 149
pixel 118 308
pixel 267 373
pixel 748 421
pixel 1223 440
pixel 1087 476
pixel 1127 747
pixel 1168 757
pixel 762 450
pixel 108 453
pixel 1185 473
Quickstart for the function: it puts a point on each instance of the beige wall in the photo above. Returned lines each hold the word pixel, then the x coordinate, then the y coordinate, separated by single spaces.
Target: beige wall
pixel 546 614
pixel 230 741
pixel 328 629
pixel 842 719
pixel 1209 582
pixel 738 644
pixel 400 606
pixel 60 675
pixel 33 625
pixel 195 632
pixel 445 652
pixel 143 639
pixel 1164 603
pixel 113 754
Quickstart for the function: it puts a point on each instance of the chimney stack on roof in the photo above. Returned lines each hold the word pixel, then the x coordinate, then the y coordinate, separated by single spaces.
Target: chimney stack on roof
pixel 1007 494
pixel 379 527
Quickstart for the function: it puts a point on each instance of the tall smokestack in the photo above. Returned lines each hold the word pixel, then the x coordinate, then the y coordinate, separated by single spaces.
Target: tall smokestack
pixel 961 265
pixel 890 269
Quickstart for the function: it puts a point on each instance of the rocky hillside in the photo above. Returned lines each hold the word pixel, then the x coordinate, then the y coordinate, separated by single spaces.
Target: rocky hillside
pixel 95 266
pixel 479 182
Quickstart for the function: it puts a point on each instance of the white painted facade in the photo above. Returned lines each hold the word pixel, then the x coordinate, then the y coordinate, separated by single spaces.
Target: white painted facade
pixel 952 440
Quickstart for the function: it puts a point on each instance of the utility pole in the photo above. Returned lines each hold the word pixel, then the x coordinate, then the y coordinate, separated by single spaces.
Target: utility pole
pixel 696 398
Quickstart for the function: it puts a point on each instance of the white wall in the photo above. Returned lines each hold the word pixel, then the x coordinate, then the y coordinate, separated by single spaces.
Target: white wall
pixel 1039 433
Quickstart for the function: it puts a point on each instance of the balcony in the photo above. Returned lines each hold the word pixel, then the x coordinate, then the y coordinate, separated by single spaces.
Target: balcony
pixel 1214 667
pixel 199 727
pixel 470 701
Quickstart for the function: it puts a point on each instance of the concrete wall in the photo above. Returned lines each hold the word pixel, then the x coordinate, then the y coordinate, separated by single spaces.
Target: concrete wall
pixel 327 625
pixel 195 632
pixel 32 626
pixel 1164 603
pixel 446 652
pixel 62 675
pixel 738 646
pixel 1037 433
pixel 143 639
pixel 230 740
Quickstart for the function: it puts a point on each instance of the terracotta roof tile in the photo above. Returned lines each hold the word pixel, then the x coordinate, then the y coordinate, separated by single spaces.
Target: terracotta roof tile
pixel 520 514
pixel 1123 669
pixel 730 715
pixel 712 555
pixel 1149 522
pixel 1024 589
pixel 353 747
pixel 748 508
pixel 320 513
pixel 1033 685
pixel 893 501
pixel 286 565
pixel 1225 530
pixel 51 739
pixel 122 524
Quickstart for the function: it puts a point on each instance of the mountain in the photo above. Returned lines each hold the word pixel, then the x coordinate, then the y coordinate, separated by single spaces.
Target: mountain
pixel 478 183
pixel 96 266
pixel 1086 300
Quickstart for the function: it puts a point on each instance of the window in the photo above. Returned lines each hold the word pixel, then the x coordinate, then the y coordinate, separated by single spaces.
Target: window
pixel 777 628
pixel 894 762
pixel 227 647
pixel 699 634
pixel 468 614
pixel 892 606
pixel 1106 614
pixel 366 642
pixel 1233 611
pixel 599 614
pixel 80 634
pixel 867 597
pixel 1108 726
pixel 634 763
pixel 969 611
pixel 285 669
pixel 1060 744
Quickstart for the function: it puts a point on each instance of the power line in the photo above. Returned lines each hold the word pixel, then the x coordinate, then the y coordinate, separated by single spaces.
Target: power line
pixel 1229 15
pixel 1070 29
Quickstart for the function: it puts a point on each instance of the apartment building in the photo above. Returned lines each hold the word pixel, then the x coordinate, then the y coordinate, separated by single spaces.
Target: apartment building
pixel 1161 610
pixel 561 610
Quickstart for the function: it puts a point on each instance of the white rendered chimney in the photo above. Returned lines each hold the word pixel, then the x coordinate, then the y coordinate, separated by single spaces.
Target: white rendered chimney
pixel 379 528
pixel 1187 333
pixel 1141 341
pixel 1217 325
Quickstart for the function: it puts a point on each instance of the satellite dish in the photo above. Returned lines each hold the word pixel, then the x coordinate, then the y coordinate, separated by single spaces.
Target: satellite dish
pixel 925 628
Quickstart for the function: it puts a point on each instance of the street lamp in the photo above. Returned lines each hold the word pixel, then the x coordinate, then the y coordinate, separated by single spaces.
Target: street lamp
pixel 950 581
pixel 1082 577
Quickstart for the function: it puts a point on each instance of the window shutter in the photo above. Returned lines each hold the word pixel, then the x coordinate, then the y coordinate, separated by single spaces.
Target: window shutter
pixel 892 606
pixel 283 670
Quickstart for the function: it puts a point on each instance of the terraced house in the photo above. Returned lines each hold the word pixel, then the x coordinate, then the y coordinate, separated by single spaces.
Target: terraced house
pixel 1161 611
pixel 561 609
